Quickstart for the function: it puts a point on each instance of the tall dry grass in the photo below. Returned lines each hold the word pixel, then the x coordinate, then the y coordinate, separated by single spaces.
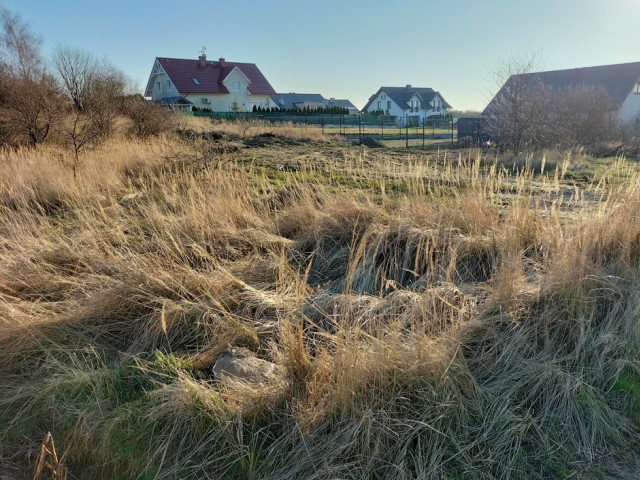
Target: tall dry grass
pixel 438 317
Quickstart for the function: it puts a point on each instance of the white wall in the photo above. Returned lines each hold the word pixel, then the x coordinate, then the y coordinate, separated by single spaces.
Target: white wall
pixel 221 102
pixel 399 112
pixel 382 99
pixel 630 107
pixel 166 92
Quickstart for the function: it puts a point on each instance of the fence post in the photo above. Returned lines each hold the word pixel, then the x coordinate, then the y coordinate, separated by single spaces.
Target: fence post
pixel 451 132
pixel 406 130
pixel 424 120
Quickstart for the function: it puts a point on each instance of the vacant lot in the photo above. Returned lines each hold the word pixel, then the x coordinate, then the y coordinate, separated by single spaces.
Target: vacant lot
pixel 233 303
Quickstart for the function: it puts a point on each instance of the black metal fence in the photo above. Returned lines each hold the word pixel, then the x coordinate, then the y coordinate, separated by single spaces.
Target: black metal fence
pixel 414 131
pixel 473 130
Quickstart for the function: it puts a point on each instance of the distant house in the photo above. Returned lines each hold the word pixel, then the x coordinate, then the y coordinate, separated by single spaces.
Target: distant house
pixel 620 83
pixel 410 104
pixel 353 110
pixel 296 101
pixel 219 86
pixel 300 101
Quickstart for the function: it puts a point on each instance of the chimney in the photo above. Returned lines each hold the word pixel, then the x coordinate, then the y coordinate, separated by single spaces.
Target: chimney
pixel 203 60
pixel 223 62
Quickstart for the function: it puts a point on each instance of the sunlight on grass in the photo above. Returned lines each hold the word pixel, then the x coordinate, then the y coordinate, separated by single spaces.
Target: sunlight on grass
pixel 447 314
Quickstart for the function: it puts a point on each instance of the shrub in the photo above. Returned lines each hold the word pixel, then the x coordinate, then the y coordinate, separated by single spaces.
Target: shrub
pixel 148 119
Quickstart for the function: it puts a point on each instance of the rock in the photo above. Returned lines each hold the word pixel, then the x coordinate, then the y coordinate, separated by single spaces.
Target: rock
pixel 242 365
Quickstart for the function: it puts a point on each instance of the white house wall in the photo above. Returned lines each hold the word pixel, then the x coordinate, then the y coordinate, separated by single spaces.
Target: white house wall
pixel 395 110
pixel 225 103
pixel 383 98
pixel 630 108
pixel 220 102
pixel 166 91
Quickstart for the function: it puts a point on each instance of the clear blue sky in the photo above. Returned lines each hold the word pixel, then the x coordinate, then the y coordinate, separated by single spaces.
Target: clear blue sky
pixel 347 48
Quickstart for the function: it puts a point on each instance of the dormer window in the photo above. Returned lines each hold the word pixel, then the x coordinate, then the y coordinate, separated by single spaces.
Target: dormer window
pixel 196 81
pixel 235 86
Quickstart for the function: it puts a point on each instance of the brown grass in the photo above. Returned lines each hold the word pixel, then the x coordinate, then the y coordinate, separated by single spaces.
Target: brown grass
pixel 440 316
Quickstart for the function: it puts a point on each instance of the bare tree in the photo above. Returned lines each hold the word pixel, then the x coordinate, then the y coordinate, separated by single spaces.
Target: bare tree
pixel 520 114
pixel 104 97
pixel 74 69
pixel 94 86
pixel 29 110
pixel 586 114
pixel 29 100
pixel 19 48
pixel 81 132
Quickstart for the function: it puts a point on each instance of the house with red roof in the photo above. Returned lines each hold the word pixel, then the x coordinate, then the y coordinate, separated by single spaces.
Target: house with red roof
pixel 219 86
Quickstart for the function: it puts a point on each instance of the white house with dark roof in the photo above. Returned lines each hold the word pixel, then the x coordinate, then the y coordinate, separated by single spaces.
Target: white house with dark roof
pixel 410 104
pixel 219 86
pixel 620 82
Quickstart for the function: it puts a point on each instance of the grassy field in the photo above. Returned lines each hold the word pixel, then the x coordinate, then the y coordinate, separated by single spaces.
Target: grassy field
pixel 433 315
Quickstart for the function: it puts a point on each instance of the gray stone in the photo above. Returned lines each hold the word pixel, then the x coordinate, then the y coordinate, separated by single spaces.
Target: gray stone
pixel 242 365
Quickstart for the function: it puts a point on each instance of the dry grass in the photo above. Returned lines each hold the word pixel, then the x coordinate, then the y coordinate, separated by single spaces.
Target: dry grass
pixel 444 316
pixel 253 128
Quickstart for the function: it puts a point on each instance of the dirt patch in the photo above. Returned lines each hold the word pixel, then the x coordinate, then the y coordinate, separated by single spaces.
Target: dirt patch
pixel 270 140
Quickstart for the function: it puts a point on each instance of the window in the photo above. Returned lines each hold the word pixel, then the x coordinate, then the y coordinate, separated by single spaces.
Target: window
pixel 379 105
pixel 158 86
pixel 636 90
pixel 168 85
pixel 195 80
pixel 388 104
pixel 235 86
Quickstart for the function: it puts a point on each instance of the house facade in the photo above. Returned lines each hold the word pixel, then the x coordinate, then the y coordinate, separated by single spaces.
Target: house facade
pixel 620 83
pixel 411 105
pixel 219 86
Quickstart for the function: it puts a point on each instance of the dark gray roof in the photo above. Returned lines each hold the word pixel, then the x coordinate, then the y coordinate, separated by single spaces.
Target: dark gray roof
pixel 616 80
pixel 402 95
pixel 290 100
pixel 313 100
pixel 341 103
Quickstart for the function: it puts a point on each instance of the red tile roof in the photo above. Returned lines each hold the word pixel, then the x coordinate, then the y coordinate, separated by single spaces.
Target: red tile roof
pixel 182 71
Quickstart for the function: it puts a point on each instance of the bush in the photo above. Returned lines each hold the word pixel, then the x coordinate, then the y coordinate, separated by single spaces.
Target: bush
pixel 149 119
